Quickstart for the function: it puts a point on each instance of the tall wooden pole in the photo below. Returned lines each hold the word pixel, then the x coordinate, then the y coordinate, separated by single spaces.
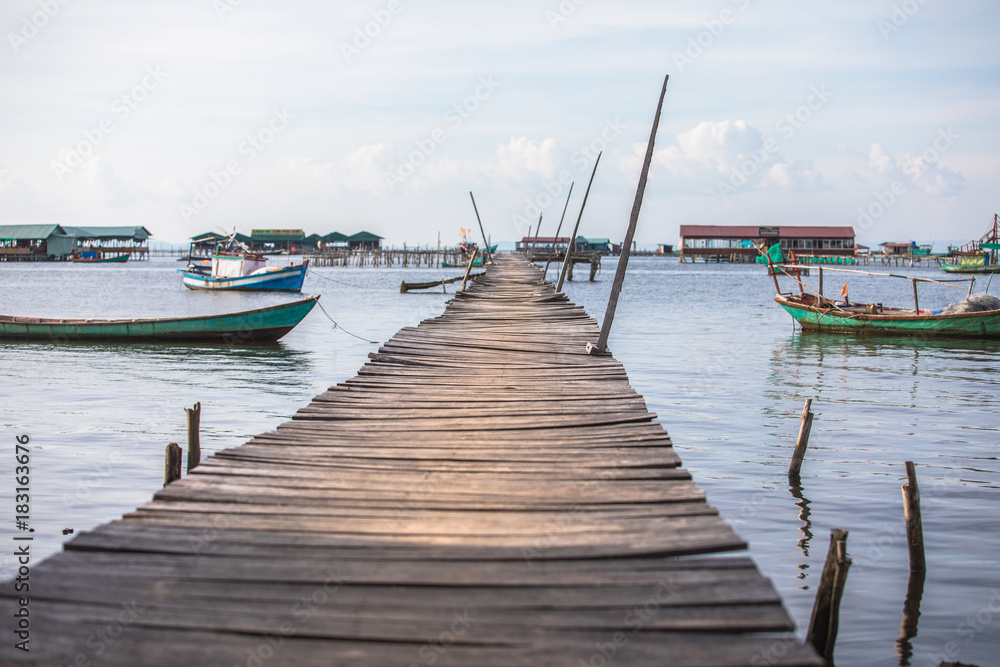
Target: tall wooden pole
pixel 534 243
pixel 805 425
pixel 914 523
pixel 193 436
pixel 558 229
pixel 576 228
pixel 616 288
pixel 486 250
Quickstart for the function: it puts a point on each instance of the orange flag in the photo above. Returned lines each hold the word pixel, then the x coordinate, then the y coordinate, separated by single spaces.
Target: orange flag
pixel 843 291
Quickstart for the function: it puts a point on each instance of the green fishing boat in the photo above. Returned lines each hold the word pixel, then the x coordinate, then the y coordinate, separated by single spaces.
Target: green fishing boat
pixel 976 316
pixel 262 324
pixel 812 314
pixel 978 256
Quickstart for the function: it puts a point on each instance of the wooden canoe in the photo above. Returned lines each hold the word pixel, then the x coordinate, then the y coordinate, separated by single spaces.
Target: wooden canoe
pixel 814 314
pixel 262 324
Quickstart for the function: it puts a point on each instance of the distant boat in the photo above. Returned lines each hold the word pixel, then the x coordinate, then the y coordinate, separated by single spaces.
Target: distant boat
pixel 244 270
pixel 978 256
pixel 98 257
pixel 262 324
pixel 469 249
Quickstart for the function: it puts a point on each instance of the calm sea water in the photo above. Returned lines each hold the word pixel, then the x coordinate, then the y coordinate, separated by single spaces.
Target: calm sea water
pixel 720 363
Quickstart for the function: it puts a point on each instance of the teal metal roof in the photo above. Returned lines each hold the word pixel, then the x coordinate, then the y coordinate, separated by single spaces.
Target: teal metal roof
pixel 266 236
pixel 334 237
pixel 364 236
pixel 113 233
pixel 29 232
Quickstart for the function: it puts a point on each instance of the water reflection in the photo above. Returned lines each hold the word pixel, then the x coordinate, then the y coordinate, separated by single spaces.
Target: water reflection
pixel 270 364
pixel 795 488
pixel 911 613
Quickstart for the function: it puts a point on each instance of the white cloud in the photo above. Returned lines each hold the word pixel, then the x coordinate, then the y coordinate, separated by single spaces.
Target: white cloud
pixel 879 168
pixel 732 155
pixel 521 157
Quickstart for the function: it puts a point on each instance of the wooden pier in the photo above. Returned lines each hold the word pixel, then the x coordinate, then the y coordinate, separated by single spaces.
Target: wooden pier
pixel 483 492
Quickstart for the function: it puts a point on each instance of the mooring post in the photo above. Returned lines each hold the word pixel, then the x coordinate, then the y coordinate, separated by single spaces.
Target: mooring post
pixel 194 438
pixel 172 463
pixel 826 609
pixel 534 243
pixel 487 257
pixel 802 442
pixel 552 250
pixel 616 287
pixel 914 524
pixel 468 268
pixel 916 302
pixel 576 228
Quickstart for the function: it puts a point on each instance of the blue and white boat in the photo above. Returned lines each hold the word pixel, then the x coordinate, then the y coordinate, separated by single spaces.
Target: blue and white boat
pixel 239 270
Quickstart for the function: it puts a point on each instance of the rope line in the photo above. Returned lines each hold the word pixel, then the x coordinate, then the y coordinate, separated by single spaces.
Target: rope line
pixel 313 273
pixel 337 326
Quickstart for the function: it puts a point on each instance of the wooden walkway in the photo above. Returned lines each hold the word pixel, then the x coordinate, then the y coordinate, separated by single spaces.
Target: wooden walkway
pixel 483 493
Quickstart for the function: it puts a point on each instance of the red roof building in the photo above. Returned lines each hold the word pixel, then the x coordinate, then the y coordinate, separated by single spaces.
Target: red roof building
pixel 741 242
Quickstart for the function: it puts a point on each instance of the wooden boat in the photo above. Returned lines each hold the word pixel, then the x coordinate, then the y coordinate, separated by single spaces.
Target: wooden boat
pixel 978 256
pixel 97 257
pixel 262 324
pixel 244 270
pixel 815 312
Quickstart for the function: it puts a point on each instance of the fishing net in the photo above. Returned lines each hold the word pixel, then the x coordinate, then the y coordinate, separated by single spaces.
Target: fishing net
pixel 974 304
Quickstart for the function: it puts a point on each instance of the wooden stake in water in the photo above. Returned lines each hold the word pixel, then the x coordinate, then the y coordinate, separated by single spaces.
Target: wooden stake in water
pixel 552 251
pixel 487 257
pixel 802 442
pixel 172 463
pixel 465 278
pixel 914 524
pixel 826 610
pixel 576 228
pixel 194 438
pixel 616 287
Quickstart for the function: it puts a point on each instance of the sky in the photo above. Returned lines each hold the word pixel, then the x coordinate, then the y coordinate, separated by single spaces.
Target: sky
pixel 382 115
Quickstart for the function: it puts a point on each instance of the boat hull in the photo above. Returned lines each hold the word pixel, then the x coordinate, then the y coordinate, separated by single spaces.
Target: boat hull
pixel 118 259
pixel 963 325
pixel 970 268
pixel 262 324
pixel 288 279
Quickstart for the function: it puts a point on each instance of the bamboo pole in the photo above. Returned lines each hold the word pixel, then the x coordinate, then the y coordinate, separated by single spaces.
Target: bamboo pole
pixel 805 426
pixel 172 463
pixel 916 301
pixel 914 524
pixel 487 257
pixel 825 618
pixel 534 243
pixel 548 260
pixel 468 268
pixel 193 436
pixel 616 287
pixel 576 228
